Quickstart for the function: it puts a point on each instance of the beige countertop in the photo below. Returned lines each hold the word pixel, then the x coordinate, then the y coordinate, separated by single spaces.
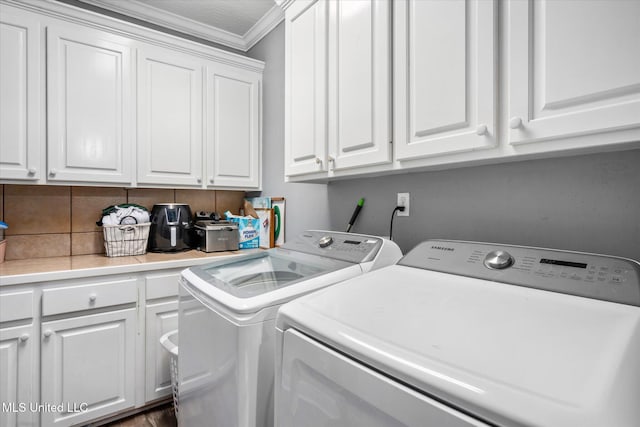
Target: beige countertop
pixel 72 267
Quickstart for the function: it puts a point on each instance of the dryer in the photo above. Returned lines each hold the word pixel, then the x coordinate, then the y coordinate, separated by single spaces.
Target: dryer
pixel 466 334
pixel 227 313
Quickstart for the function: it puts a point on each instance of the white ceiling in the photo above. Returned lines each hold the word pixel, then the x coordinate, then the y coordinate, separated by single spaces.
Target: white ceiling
pixel 235 23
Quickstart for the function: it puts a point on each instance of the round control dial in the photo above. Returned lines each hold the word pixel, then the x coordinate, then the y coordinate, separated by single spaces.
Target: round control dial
pixel 498 260
pixel 325 241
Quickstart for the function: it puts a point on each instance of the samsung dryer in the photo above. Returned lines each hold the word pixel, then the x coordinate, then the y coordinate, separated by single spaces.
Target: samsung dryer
pixel 466 334
pixel 227 315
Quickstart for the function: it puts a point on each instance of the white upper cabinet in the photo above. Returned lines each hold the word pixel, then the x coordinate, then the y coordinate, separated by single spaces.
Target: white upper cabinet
pixel 233 127
pixel 90 106
pixel 305 131
pixel 574 69
pixel 124 105
pixel 359 124
pixel 21 139
pixel 170 95
pixel 444 76
pixel 338 85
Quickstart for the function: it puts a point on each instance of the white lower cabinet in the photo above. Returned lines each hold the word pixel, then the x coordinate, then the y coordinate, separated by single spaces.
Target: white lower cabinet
pixel 161 318
pixel 88 366
pixel 17 376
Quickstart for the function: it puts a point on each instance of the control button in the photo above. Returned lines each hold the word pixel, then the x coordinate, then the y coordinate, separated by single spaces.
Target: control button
pixel 325 241
pixel 616 279
pixel 498 260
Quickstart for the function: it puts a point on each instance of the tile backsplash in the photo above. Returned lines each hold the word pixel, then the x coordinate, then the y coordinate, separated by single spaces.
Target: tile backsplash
pixel 46 221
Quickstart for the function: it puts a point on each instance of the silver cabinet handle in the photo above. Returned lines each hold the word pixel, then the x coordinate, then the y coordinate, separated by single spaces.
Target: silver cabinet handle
pixel 211 180
pixel 332 162
pixel 318 160
pixel 53 172
pixel 47 333
pixel 24 337
pixel 515 122
pixel 199 180
pixel 92 297
pixel 481 130
pixel 32 171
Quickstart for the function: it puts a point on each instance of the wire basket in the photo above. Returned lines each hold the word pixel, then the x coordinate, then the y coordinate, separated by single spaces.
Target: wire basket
pixel 125 240
pixel 170 343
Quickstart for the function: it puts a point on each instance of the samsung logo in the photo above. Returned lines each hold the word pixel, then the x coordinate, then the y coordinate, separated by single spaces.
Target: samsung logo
pixel 442 248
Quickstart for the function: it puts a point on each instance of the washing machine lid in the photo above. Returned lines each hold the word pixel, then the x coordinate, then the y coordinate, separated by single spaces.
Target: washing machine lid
pixel 248 283
pixel 510 355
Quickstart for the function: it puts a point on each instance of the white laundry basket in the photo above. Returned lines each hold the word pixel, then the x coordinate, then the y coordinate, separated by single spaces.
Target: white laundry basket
pixel 169 342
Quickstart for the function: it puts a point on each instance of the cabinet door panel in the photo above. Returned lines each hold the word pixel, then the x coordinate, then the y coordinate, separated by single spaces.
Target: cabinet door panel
pixel 305 87
pixel 89 89
pixel 17 375
pixel 161 318
pixel 88 360
pixel 20 132
pixel 170 118
pixel 571 68
pixel 359 83
pixel 233 127
pixel 444 74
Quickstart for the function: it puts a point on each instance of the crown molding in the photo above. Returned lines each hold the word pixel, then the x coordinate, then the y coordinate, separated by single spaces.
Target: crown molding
pixel 144 12
pixel 268 22
pixel 132 31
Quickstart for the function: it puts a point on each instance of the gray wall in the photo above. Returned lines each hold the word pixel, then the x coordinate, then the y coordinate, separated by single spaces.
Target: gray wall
pixel 307 205
pixel 587 203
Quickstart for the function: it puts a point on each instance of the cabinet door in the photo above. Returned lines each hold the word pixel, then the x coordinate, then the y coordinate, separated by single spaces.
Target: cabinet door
pixel 88 366
pixel 305 102
pixel 169 117
pixel 574 69
pixel 233 127
pixel 89 88
pixel 444 77
pixel 161 318
pixel 17 366
pixel 21 140
pixel 359 83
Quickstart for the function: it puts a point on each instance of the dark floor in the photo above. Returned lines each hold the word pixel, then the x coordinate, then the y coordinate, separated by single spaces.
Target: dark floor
pixel 162 416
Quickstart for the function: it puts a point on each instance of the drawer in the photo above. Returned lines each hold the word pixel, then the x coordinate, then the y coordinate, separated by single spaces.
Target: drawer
pixel 86 297
pixel 16 306
pixel 162 285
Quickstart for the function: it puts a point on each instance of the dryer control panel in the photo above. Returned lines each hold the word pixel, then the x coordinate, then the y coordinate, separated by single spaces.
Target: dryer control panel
pixel 356 248
pixel 588 275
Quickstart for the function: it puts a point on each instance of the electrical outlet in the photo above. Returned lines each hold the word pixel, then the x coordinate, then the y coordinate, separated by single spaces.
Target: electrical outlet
pixel 403 200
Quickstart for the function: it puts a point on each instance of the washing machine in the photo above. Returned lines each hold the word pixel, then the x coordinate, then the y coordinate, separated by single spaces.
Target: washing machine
pixel 466 334
pixel 227 313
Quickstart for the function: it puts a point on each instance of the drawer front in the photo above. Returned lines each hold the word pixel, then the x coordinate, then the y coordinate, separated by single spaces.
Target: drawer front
pixel 162 285
pixel 16 306
pixel 86 297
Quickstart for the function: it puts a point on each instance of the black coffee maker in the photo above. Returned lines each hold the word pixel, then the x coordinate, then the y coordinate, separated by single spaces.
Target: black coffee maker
pixel 171 228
